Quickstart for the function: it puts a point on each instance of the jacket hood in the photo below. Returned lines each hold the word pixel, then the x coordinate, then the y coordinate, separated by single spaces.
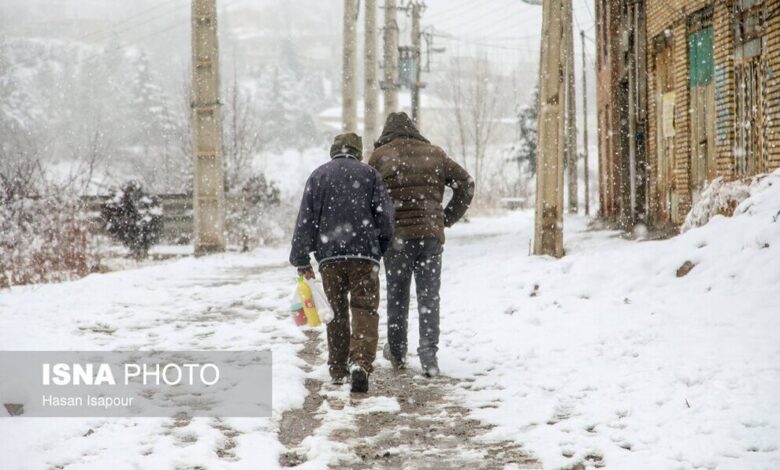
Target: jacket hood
pixel 399 125
pixel 347 144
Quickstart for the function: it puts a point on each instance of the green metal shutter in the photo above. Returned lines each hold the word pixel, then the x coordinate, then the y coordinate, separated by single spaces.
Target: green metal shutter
pixel 700 57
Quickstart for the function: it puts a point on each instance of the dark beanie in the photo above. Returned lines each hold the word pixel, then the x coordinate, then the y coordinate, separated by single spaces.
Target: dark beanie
pixel 349 143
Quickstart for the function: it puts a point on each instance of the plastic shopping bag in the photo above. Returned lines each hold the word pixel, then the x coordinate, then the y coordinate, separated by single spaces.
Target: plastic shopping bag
pixel 324 310
pixel 296 309
pixel 307 300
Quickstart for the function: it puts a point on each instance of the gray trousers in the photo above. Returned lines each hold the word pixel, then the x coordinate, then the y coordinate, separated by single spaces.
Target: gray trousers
pixel 420 258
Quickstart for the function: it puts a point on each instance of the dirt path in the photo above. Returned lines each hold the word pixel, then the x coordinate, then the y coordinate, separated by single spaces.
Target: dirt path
pixel 421 427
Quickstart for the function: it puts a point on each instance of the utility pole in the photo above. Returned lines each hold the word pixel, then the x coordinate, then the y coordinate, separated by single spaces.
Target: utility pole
pixel 390 57
pixel 417 7
pixel 585 126
pixel 631 136
pixel 349 59
pixel 208 172
pixel 571 110
pixel 371 86
pixel 548 233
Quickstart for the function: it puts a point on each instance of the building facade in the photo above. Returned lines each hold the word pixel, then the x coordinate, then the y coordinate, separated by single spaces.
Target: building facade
pixel 704 101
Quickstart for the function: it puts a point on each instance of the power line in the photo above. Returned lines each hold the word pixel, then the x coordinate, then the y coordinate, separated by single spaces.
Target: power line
pixel 453 12
pixel 577 21
pixel 170 27
pixel 590 12
pixel 487 17
pixel 124 45
pixel 109 32
pixel 483 41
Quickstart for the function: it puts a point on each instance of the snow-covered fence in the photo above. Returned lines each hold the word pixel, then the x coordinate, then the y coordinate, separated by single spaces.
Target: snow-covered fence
pixel 177 216
pixel 253 219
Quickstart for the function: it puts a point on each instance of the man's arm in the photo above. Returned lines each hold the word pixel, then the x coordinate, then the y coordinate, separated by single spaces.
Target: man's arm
pixel 384 213
pixel 462 186
pixel 306 228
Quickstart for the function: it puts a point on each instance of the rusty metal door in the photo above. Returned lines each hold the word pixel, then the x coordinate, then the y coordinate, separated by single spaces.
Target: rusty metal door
pixel 749 73
pixel 748 144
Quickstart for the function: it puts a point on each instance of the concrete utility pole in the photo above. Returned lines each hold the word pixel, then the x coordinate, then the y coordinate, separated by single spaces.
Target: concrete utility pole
pixel 571 110
pixel 417 9
pixel 390 58
pixel 631 142
pixel 349 59
pixel 208 172
pixel 585 126
pixel 371 86
pixel 548 234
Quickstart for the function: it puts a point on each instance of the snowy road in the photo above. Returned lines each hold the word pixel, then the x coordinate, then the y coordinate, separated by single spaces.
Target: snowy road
pixel 232 302
pixel 605 357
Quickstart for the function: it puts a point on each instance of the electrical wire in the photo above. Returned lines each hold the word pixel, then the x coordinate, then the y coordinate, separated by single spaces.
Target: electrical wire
pixel 453 11
pixel 590 12
pixel 486 17
pixel 113 30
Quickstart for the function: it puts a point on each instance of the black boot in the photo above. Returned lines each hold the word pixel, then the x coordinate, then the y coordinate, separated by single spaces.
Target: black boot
pixel 359 379
pixel 398 364
pixel 430 367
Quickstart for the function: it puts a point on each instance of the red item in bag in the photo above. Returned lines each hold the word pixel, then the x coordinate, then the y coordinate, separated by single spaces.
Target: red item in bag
pixel 300 317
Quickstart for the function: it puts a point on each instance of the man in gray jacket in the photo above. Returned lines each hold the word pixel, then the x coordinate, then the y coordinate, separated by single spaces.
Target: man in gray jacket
pixel 346 219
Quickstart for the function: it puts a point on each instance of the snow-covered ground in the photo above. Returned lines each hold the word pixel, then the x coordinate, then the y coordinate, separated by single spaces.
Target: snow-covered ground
pixel 608 352
pixel 605 355
pixel 220 302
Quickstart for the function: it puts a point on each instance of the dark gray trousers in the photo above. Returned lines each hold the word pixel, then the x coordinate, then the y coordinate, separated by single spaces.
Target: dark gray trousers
pixel 420 258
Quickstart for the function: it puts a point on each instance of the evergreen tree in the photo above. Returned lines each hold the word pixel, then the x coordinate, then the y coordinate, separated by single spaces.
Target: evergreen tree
pixel 133 218
pixel 527 120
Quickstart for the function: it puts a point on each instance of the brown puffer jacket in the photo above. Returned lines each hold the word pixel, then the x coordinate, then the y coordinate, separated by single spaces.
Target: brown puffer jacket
pixel 415 173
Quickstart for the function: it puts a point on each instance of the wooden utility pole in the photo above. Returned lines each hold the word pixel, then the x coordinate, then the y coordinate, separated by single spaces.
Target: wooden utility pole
pixel 631 141
pixel 349 59
pixel 417 9
pixel 548 234
pixel 371 86
pixel 208 172
pixel 586 168
pixel 570 145
pixel 390 58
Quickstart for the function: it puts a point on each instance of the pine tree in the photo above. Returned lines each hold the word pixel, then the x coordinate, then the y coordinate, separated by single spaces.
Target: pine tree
pixel 134 218
pixel 525 151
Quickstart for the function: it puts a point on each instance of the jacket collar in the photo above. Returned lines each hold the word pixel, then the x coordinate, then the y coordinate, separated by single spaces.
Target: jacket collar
pixel 344 155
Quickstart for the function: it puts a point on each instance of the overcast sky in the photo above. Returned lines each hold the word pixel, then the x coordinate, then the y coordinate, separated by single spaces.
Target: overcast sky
pixel 506 31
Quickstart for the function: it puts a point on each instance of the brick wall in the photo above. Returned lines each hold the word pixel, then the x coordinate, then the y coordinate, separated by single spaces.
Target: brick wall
pixel 682 161
pixel 722 22
pixel 672 15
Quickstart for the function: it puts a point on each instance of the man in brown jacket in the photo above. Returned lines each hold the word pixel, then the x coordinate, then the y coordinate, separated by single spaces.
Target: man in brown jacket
pixel 416 174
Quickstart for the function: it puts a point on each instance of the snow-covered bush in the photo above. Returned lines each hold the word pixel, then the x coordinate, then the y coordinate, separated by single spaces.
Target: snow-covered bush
pixel 720 197
pixel 134 218
pixel 44 234
pixel 255 214
pixel 43 239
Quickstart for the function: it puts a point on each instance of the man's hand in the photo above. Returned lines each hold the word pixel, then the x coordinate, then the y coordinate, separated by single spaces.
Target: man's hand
pixel 307 273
